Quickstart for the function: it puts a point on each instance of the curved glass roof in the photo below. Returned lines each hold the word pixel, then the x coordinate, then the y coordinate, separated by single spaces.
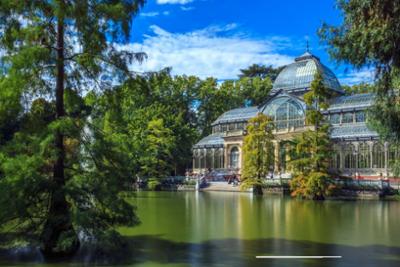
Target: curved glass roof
pixel 352 131
pixel 237 114
pixel 352 101
pixel 213 140
pixel 300 74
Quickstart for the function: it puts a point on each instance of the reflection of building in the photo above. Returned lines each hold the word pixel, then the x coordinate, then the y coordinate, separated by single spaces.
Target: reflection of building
pixel 356 152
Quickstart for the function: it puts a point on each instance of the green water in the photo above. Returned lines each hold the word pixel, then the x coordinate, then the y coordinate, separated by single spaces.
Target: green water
pixel 231 229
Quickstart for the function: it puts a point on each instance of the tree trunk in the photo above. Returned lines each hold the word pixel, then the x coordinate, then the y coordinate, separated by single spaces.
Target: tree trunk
pixel 58 235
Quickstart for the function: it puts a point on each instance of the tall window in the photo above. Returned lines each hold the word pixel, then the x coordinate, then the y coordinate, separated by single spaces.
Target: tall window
pixel 234 158
pixel 218 153
pixel 335 160
pixel 209 158
pixel 196 159
pixel 393 154
pixel 378 156
pixel 349 157
pixel 364 156
pixel 360 116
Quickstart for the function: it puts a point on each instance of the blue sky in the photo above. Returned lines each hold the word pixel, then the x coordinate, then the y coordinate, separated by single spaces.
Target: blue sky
pixel 219 37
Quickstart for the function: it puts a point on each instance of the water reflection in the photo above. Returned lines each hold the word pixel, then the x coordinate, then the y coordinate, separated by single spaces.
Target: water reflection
pixel 230 229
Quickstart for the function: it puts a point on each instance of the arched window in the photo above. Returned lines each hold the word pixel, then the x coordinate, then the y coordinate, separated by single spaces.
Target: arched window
pixel 349 157
pixel 378 156
pixel 286 112
pixel 234 158
pixel 364 156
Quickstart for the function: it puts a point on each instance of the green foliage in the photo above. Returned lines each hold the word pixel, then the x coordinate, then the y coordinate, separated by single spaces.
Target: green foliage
pixel 58 173
pixel 369 36
pixel 258 151
pixel 214 99
pixel 155 132
pixel 310 158
pixel 153 184
pixel 260 71
pixel 361 88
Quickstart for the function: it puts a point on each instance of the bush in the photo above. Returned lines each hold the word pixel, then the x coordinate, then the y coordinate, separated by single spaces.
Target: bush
pixel 190 182
pixel 153 184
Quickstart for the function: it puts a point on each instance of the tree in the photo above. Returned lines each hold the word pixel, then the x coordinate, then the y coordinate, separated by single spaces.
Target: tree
pixel 361 88
pixel 260 71
pixel 258 152
pixel 369 36
pixel 214 100
pixel 253 91
pixel 312 149
pixel 50 46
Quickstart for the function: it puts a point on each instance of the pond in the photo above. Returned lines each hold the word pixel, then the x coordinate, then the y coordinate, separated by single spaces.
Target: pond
pixel 231 229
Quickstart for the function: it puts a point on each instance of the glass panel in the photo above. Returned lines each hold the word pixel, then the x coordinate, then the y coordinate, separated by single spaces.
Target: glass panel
pixel 360 116
pixel 286 113
pixel 335 160
pixel 347 117
pixel 335 118
pixel 378 156
pixel 393 154
pixel 364 160
pixel 234 158
pixel 209 158
pixel 202 159
pixel 239 126
pixel 349 157
pixel 196 159
pixel 217 159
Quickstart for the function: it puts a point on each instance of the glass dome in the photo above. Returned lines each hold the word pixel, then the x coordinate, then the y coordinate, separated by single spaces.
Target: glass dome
pixel 299 75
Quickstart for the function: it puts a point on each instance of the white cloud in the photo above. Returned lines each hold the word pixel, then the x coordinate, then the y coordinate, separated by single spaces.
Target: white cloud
pixel 149 14
pixel 180 2
pixel 189 8
pixel 154 14
pixel 214 51
pixel 364 75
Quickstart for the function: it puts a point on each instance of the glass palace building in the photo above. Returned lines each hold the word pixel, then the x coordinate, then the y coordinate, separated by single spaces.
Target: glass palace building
pixel 357 150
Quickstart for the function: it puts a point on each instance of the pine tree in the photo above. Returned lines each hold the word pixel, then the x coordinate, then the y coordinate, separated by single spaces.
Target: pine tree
pixel 258 152
pixel 51 46
pixel 312 149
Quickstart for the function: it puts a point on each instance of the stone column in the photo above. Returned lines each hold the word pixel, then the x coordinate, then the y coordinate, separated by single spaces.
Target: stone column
pixel 221 158
pixel 276 157
pixel 204 158
pixel 371 161
pixel 213 158
pixel 226 157
pixel 356 167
